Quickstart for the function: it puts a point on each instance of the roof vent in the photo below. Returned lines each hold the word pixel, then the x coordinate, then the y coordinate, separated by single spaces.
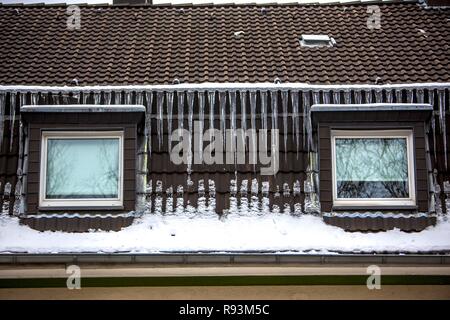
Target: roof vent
pixel 316 40
pixel 176 81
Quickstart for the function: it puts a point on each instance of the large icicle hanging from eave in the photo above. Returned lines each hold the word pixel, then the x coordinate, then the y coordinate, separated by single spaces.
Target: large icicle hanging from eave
pixel 233 121
pixel 222 113
pixel 169 111
pixel 284 104
pixel 201 121
pixel 148 119
pixel 295 119
pixel 441 105
pixel 253 125
pixel 190 102
pixel 159 116
pixel 12 116
pixel 274 106
pixel 2 117
pixel 243 99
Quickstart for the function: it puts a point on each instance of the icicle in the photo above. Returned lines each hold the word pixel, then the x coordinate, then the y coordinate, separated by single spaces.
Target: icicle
pixel 420 96
pixel 410 96
pixel 296 189
pixel 295 119
pixel 263 115
pixel 117 97
pixel 316 97
pixel 223 112
pixel 212 103
pixel 232 97
pixel 148 119
pixel 86 96
pixel 389 98
pixel 128 97
pixel 336 97
pixel 190 101
pixel 253 123
pixel 34 98
pixel 201 119
pixel 398 96
pixel 307 129
pixel 358 96
pixel 169 103
pixel 159 120
pixel 441 101
pixel 140 98
pixel 368 94
pixel 243 99
pixel 378 96
pixel 286 190
pixel 180 107
pixel 17 198
pixel 327 96
pixel 447 196
pixel 12 116
pixel 2 117
pixel 433 122
pixel 274 105
pixel 347 97
pixel 284 102
pixel 263 95
pixel 6 198
pixel 97 97
pixel 107 97
pixel 55 98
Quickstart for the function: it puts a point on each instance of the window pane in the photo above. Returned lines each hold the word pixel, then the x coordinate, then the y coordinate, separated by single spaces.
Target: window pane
pixel 82 168
pixel 372 168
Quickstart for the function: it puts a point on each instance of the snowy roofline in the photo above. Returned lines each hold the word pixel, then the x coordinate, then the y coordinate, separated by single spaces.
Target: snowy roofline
pixel 372 107
pixel 196 3
pixel 223 86
pixel 83 108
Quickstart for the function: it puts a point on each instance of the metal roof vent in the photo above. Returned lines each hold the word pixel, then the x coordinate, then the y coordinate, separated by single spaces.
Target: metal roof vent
pixel 316 40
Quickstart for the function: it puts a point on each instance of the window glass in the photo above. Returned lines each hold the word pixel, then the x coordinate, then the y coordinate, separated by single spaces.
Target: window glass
pixel 82 168
pixel 371 167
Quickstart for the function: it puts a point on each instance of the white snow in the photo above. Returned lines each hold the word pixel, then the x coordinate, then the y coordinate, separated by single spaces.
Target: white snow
pixel 153 233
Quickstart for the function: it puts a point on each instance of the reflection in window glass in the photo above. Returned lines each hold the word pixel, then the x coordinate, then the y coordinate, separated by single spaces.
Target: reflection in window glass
pixel 82 168
pixel 372 168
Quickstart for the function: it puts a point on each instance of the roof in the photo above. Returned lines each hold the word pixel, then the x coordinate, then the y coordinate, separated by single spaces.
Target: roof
pixel 132 45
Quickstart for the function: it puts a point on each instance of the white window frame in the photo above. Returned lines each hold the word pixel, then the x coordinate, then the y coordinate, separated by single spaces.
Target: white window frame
pixel 376 202
pixel 78 203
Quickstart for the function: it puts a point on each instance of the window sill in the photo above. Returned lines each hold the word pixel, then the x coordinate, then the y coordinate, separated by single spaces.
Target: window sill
pixel 81 208
pixel 373 208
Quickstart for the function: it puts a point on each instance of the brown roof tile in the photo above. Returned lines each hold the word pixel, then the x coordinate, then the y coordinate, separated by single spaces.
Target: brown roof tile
pixel 154 45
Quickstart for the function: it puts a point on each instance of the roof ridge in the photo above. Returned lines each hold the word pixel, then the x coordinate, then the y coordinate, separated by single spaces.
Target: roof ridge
pixel 211 4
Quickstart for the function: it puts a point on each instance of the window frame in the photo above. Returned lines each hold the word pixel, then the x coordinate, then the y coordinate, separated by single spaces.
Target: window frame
pixel 375 202
pixel 45 203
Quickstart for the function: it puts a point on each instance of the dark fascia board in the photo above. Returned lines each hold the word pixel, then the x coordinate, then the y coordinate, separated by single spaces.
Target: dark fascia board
pixel 384 112
pixel 82 108
pixel 372 107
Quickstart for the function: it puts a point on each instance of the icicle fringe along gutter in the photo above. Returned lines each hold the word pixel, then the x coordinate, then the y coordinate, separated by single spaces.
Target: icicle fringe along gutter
pixel 223 86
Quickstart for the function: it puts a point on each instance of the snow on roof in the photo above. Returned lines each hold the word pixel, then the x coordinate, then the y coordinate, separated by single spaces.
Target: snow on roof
pixel 83 108
pixel 156 233
pixel 372 107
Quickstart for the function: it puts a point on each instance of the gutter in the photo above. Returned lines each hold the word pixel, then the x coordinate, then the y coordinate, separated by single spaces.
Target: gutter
pixel 226 259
